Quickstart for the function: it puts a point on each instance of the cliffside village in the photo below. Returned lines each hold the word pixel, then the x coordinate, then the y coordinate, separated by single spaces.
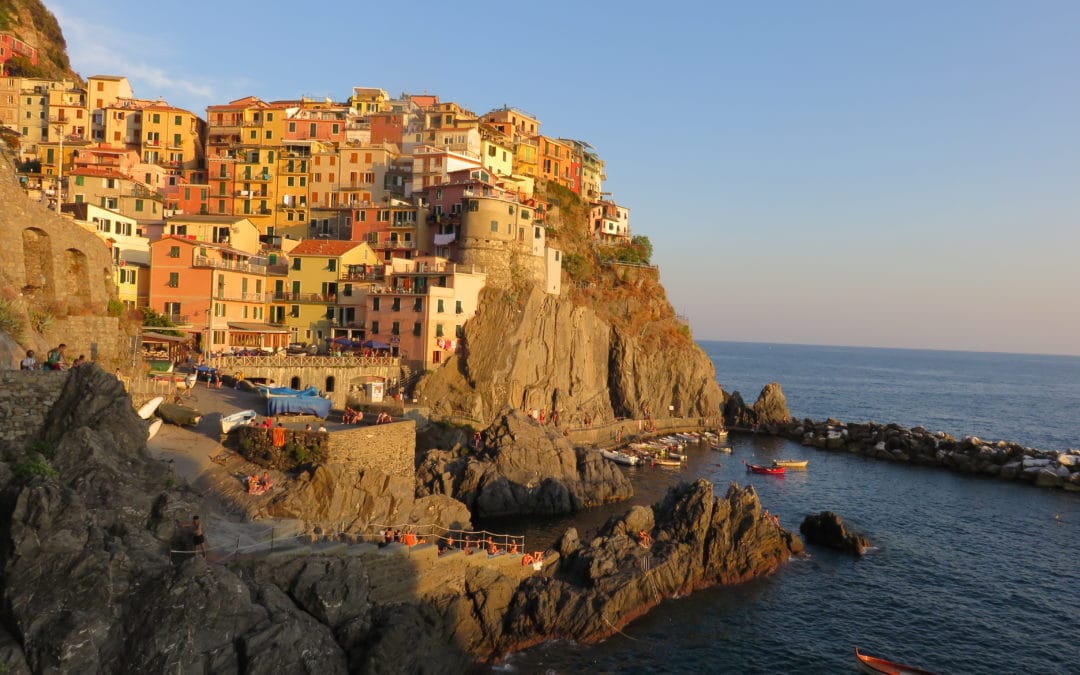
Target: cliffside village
pixel 371 223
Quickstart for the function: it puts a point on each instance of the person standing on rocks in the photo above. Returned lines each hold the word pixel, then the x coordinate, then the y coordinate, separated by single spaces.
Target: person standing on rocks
pixel 198 534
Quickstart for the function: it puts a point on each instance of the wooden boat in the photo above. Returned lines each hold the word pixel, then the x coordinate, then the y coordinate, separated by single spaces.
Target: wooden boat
pixel 791 463
pixel 767 470
pixel 872 664
pixel 661 461
pixel 721 448
pixel 230 422
pixel 620 457
pixel 677 455
pixel 150 406
pixel 180 415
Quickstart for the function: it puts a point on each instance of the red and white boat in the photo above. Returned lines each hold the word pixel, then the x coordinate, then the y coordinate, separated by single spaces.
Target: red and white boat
pixel 767 470
pixel 876 666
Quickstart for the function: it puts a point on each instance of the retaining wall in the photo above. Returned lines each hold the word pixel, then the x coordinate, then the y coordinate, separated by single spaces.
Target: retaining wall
pixel 25 400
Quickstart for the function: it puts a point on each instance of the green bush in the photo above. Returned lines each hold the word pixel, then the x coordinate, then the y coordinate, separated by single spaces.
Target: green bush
pixel 11 320
pixel 29 467
pixel 41 320
pixel 297 452
pixel 116 308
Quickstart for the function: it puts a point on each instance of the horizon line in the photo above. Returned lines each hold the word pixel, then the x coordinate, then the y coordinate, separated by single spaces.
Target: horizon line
pixel 878 347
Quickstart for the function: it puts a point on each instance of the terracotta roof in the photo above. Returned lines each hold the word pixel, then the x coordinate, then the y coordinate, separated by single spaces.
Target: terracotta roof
pixel 327 247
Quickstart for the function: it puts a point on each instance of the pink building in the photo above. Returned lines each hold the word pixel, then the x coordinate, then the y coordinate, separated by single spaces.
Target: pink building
pixel 11 46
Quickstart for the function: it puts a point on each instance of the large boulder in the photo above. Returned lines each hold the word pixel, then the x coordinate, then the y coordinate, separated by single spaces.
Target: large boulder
pixel 828 529
pixel 769 408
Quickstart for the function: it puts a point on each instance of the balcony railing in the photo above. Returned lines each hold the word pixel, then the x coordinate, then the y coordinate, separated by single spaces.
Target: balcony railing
pixel 236 265
pixel 363 276
pixel 238 297
pixel 392 244
pixel 305 297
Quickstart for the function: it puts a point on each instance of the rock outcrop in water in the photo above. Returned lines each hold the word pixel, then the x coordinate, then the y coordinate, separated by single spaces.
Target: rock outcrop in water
pixel 523 469
pixel 770 409
pixel 828 529
pixel 595 588
pixel 1011 461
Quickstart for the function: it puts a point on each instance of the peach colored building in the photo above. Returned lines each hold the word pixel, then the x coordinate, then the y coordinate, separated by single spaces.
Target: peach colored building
pixel 216 292
pixel 421 309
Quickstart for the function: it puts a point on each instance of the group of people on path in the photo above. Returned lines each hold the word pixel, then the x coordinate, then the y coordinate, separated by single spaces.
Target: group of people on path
pixel 54 360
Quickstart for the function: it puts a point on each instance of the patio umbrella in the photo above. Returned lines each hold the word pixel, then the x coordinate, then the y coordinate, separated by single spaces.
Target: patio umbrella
pixel 375 344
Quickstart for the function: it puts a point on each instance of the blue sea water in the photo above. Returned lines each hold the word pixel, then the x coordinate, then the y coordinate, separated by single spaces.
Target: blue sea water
pixel 969 574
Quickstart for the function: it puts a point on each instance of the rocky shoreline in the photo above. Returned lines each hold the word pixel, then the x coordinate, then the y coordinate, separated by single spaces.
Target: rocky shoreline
pixel 917 445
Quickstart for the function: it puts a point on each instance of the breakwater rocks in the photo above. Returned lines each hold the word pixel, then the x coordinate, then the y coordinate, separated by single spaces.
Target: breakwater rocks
pixel 1011 461
pixel 769 408
pixel 695 540
pixel 522 468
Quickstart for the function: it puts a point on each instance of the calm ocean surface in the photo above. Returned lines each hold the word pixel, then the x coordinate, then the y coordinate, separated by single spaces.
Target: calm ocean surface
pixel 969 574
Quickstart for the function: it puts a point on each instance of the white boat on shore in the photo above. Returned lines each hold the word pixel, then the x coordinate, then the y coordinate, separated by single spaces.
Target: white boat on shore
pixel 147 410
pixel 237 419
pixel 620 457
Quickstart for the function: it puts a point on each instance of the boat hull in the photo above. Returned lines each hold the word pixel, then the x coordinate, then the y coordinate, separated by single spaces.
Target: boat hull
pixel 791 463
pixel 766 470
pixel 873 664
pixel 230 422
pixel 147 410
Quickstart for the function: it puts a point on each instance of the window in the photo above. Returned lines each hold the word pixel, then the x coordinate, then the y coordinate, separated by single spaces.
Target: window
pixel 174 279
pixel 294 310
pixel 438 330
pixel 296 263
pixel 374 327
pixel 418 305
pixel 329 384
pixel 439 306
pixel 174 251
pixel 457 308
pixel 494 226
pixel 375 304
pixel 395 328
pixel 172 309
pixel 348 290
pixel 331 264
pixel 79 180
pixel 396 306
pixel 459 332
pixel 138 205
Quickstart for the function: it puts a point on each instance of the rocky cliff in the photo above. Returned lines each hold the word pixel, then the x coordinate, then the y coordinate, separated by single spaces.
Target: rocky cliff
pixel 31 21
pixel 523 468
pixel 555 353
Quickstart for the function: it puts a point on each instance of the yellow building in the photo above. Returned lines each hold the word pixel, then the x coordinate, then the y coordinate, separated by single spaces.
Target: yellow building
pixel 315 269
pixel 368 100
pixel 172 138
pixel 103 92
pixel 68 114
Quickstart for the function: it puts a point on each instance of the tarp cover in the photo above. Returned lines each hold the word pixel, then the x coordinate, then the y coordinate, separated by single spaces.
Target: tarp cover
pixel 286 391
pixel 298 405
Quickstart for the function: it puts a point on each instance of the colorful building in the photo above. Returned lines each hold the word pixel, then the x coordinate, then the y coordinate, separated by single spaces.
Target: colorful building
pixel 421 308
pixel 214 291
pixel 129 248
pixel 315 269
pixel 609 222
pixel 11 47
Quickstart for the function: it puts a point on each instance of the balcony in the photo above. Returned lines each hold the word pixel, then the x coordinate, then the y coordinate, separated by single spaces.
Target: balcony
pixel 392 244
pixel 327 298
pixel 235 265
pixel 222 294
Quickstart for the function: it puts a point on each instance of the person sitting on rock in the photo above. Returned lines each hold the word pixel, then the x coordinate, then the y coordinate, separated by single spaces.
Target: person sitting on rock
pixel 644 539
pixel 265 482
pixel 30 362
pixel 252 485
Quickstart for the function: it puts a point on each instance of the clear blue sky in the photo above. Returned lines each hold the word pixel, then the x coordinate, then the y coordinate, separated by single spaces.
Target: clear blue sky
pixel 851 173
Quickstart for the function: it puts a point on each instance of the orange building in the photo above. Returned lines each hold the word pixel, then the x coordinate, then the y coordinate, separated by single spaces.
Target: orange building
pixel 214 291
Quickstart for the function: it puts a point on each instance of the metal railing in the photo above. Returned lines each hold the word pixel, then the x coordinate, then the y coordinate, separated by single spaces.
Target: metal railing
pixel 235 363
pixel 236 265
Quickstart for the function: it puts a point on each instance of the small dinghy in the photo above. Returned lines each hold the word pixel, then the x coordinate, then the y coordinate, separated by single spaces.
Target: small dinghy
pixel 153 428
pixel 620 457
pixel 766 470
pixel 237 419
pixel 872 664
pixel 791 463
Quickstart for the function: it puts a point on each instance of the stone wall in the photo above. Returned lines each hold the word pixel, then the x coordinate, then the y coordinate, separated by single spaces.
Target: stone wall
pixel 388 447
pixel 25 400
pixel 314 371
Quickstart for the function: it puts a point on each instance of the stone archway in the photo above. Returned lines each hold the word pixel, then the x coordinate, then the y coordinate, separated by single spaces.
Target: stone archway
pixel 76 279
pixel 39 282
